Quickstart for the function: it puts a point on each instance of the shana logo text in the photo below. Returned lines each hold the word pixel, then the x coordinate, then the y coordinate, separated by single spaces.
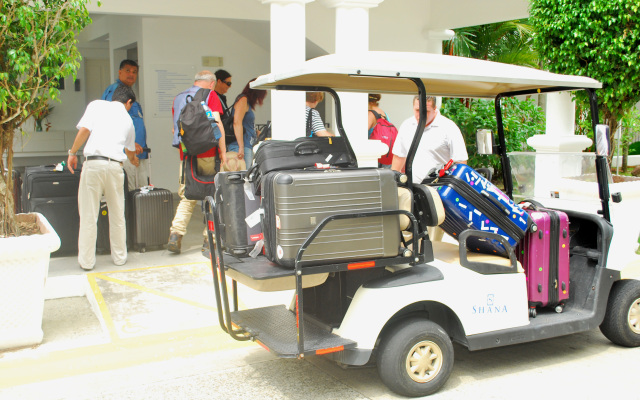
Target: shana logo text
pixel 489 309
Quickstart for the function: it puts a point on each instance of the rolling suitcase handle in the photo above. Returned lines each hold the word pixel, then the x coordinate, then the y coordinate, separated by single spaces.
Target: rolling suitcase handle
pixel 306 148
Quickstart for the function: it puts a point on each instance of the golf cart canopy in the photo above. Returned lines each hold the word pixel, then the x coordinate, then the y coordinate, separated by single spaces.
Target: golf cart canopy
pixel 442 75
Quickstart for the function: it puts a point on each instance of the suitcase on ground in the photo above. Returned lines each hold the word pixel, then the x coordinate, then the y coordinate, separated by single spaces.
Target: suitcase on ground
pixel 472 202
pixel 239 227
pixel 62 214
pixel 54 194
pixel 544 255
pixel 279 155
pixel 150 218
pixel 295 202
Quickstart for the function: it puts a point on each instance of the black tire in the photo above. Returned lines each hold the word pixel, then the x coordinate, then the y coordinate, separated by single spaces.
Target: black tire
pixel 621 322
pixel 410 338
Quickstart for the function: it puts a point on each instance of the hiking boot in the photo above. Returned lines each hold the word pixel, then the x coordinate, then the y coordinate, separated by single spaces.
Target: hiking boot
pixel 175 242
pixel 205 248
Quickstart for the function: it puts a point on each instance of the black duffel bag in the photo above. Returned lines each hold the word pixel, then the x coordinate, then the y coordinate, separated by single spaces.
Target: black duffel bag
pixel 278 155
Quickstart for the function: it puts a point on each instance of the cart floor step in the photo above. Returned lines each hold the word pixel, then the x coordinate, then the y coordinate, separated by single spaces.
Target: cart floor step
pixel 257 268
pixel 275 327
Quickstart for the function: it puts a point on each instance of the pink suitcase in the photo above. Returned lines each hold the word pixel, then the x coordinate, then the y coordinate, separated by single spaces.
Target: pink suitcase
pixel 544 255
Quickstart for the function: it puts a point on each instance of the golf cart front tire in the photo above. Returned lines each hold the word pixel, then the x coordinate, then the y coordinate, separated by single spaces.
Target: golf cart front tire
pixel 621 322
pixel 415 358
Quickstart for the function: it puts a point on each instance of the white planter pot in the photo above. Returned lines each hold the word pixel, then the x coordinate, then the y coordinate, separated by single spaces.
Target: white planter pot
pixel 24 265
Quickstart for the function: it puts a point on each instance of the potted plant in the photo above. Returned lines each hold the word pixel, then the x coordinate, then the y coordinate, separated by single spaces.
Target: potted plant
pixel 37 48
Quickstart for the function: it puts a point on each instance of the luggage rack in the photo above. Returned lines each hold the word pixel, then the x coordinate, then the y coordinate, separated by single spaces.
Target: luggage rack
pixel 284 332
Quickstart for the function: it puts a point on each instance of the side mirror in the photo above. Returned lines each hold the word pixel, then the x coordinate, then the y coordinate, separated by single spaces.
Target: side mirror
pixel 602 140
pixel 484 141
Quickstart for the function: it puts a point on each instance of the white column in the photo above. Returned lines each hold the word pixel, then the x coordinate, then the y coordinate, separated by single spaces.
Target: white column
pixel 287 51
pixel 559 138
pixel 560 129
pixel 352 36
pixel 434 46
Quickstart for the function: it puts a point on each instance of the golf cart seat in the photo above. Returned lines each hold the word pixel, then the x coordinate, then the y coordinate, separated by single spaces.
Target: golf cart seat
pixel 433 214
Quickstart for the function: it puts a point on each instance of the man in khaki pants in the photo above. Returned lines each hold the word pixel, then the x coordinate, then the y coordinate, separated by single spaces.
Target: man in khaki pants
pixel 107 129
pixel 206 161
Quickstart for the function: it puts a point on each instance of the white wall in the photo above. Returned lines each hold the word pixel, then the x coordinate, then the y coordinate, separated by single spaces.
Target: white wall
pixel 199 37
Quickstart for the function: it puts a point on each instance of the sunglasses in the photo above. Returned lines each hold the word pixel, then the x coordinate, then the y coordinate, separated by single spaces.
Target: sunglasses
pixel 227 83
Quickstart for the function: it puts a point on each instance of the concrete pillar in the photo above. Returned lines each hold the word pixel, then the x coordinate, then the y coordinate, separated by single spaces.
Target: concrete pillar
pixel 560 129
pixel 352 36
pixel 434 46
pixel 559 138
pixel 287 51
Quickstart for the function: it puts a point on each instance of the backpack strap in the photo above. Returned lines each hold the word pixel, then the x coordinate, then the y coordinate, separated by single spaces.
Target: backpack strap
pixel 375 114
pixel 309 117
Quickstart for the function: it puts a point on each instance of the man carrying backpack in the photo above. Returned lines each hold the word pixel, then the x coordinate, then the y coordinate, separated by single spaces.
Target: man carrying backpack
pixel 206 161
pixel 381 129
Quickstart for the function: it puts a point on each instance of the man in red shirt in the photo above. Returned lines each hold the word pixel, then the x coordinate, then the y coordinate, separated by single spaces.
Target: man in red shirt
pixel 206 161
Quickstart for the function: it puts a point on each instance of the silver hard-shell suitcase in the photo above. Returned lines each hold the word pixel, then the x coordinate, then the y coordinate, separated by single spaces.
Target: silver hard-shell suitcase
pixel 295 202
pixel 150 218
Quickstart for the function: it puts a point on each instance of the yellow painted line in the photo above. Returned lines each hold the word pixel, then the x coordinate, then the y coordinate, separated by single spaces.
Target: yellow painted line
pixel 152 267
pixel 102 305
pixel 122 354
pixel 156 292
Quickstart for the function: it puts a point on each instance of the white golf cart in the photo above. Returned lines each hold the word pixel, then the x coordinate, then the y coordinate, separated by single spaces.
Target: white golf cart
pixel 404 312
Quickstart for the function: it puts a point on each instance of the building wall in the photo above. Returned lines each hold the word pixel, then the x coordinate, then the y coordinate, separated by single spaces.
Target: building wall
pixel 197 38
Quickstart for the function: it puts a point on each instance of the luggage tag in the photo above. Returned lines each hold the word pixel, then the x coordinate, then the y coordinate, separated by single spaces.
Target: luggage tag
pixel 257 249
pixel 254 218
pixel 248 190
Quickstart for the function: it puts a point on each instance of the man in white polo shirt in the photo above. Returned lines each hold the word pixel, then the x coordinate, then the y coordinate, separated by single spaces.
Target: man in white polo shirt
pixel 107 129
pixel 441 141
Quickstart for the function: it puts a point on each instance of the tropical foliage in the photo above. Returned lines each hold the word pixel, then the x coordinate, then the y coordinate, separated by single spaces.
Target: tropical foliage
pixel 508 42
pixel 596 38
pixel 37 48
pixel 521 120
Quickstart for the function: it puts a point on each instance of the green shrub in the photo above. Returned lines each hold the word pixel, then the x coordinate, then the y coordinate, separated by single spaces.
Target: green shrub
pixel 521 120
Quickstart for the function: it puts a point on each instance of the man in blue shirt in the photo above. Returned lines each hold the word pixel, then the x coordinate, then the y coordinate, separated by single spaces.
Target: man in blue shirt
pixel 136 176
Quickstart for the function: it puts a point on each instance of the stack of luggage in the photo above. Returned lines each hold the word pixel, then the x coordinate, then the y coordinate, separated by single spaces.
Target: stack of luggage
pixel 540 236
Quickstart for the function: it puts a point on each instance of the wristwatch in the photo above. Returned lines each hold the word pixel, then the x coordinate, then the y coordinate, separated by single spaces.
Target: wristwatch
pixel 72 153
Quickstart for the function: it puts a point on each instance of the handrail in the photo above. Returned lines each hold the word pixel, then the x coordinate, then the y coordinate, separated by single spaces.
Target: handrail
pixel 221 284
pixel 309 240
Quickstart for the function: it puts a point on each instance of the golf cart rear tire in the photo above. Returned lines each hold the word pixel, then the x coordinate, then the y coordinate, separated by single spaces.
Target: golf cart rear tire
pixel 415 358
pixel 621 322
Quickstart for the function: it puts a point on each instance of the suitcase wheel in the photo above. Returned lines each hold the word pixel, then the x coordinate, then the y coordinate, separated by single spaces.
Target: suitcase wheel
pixel 559 308
pixel 532 312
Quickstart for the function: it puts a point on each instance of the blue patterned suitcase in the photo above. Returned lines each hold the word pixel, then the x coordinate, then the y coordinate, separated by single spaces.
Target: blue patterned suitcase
pixel 472 202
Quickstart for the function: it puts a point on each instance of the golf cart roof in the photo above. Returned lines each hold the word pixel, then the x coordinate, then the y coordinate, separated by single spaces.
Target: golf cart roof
pixel 442 75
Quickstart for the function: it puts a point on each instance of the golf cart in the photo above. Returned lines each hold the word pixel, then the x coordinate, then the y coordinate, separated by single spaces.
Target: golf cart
pixel 404 311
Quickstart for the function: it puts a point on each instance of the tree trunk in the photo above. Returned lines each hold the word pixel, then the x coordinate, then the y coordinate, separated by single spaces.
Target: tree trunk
pixel 8 224
pixel 625 157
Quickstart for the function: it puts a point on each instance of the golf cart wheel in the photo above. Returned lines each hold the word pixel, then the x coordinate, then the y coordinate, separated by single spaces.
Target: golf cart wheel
pixel 415 358
pixel 621 322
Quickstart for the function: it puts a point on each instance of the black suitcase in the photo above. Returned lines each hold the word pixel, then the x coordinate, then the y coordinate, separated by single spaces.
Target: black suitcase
pixel 151 216
pixel 46 182
pixel 278 155
pixel 295 202
pixel 62 214
pixel 236 202
pixel 54 194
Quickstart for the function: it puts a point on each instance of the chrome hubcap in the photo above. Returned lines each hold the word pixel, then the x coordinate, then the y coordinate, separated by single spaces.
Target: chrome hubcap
pixel 424 361
pixel 633 318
